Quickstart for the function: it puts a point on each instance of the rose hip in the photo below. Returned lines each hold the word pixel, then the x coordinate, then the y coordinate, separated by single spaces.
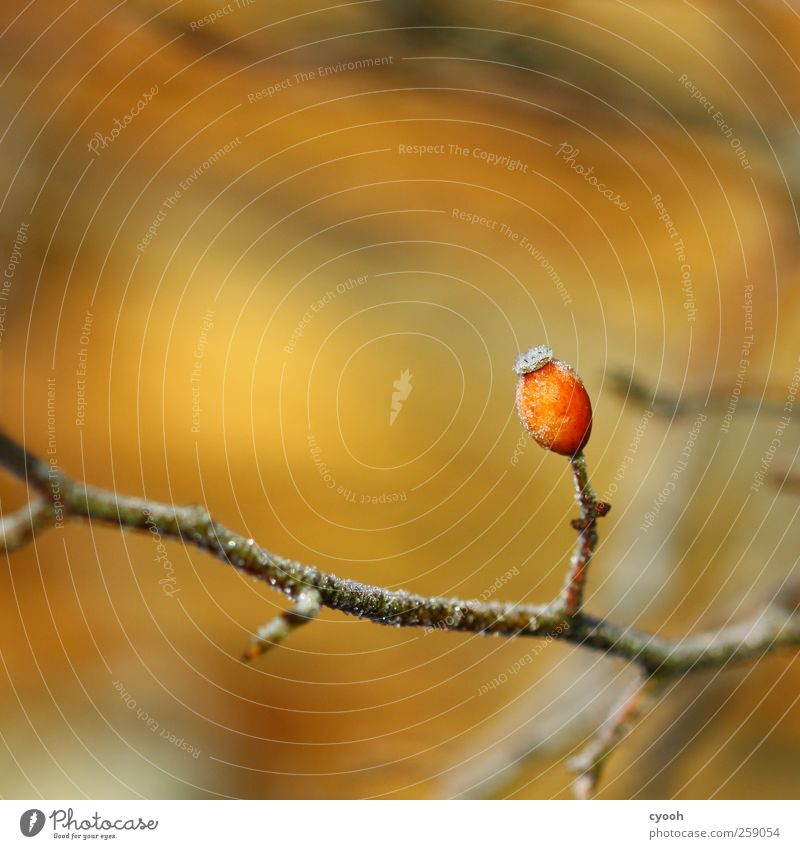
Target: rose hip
pixel 552 402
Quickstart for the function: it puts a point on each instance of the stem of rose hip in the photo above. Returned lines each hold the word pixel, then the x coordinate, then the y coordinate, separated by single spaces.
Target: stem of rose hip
pixel 586 525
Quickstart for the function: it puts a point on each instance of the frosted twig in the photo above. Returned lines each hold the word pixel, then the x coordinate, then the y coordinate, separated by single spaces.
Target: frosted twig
pixel 305 608
pixel 588 764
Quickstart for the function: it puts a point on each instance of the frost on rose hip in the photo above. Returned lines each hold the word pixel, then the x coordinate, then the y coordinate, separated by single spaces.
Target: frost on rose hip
pixel 552 402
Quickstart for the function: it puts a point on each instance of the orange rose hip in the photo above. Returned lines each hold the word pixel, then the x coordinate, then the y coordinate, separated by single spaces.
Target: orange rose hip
pixel 552 402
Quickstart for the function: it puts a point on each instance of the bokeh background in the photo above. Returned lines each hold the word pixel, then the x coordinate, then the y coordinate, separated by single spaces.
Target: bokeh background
pixel 221 250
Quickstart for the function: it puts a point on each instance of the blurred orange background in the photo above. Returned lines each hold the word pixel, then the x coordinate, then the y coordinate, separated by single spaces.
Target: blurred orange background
pixel 231 229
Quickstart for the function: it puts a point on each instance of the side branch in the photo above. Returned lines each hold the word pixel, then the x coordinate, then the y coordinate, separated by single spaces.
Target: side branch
pixel 304 610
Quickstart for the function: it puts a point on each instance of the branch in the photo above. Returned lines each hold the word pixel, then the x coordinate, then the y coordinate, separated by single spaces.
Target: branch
pixel 777 627
pixel 588 765
pixel 18 528
pixel 586 525
pixel 670 406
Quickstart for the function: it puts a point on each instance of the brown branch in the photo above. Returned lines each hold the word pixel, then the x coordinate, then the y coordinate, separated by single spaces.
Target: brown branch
pixel 193 525
pixel 17 529
pixel 588 765
pixel 671 406
pixel 305 609
pixel 63 498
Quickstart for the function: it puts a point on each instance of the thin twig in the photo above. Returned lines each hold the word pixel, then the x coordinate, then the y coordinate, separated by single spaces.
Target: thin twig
pixel 17 529
pixel 670 406
pixel 588 765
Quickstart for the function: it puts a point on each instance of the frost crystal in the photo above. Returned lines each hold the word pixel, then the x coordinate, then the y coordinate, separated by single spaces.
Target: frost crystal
pixel 532 359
